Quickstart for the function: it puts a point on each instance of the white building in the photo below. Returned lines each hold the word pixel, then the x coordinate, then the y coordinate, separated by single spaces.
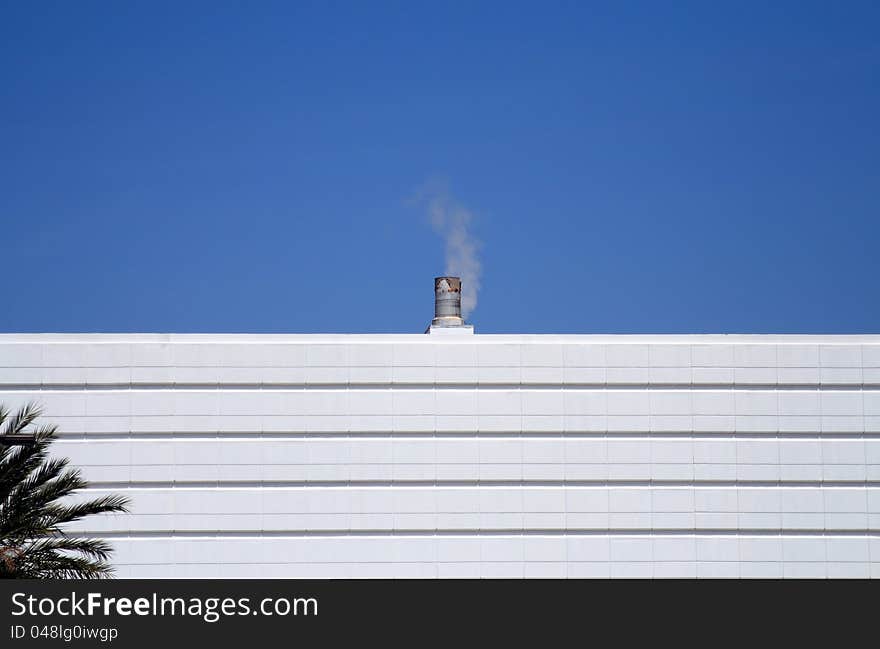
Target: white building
pixel 465 455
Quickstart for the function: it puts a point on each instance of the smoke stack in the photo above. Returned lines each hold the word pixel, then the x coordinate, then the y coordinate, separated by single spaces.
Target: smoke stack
pixel 447 302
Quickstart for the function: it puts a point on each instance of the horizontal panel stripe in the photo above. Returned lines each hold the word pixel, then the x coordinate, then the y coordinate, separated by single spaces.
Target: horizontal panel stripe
pixel 378 533
pixel 345 484
pixel 549 435
pixel 513 385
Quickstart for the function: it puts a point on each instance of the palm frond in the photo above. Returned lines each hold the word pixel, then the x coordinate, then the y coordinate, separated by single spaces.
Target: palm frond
pixel 35 508
pixel 17 423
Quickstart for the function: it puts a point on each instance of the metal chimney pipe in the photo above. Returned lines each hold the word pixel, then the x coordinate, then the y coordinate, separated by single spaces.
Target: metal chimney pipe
pixel 447 302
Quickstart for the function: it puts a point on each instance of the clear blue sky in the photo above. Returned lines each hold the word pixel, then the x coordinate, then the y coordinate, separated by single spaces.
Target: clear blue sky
pixel 631 167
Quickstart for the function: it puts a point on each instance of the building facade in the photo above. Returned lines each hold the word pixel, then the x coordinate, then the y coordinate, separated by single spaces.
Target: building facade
pixel 455 454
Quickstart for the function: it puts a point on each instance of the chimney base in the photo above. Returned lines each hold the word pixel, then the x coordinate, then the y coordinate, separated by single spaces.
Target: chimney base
pixel 447 330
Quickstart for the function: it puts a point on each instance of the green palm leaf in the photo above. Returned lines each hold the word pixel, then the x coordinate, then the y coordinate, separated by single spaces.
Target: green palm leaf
pixel 33 512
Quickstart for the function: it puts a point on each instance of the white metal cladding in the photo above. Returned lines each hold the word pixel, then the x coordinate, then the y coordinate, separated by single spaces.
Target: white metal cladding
pixel 469 455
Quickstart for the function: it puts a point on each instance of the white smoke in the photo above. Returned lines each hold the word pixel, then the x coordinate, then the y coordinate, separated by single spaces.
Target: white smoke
pixel 452 221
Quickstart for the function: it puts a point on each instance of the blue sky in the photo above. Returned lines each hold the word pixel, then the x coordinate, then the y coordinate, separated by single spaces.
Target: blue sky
pixel 628 167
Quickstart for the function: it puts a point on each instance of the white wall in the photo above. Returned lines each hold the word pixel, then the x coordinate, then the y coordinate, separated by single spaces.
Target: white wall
pixel 469 455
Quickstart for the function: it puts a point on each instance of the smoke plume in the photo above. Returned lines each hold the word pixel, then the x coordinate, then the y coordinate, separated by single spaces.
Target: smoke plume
pixel 452 221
